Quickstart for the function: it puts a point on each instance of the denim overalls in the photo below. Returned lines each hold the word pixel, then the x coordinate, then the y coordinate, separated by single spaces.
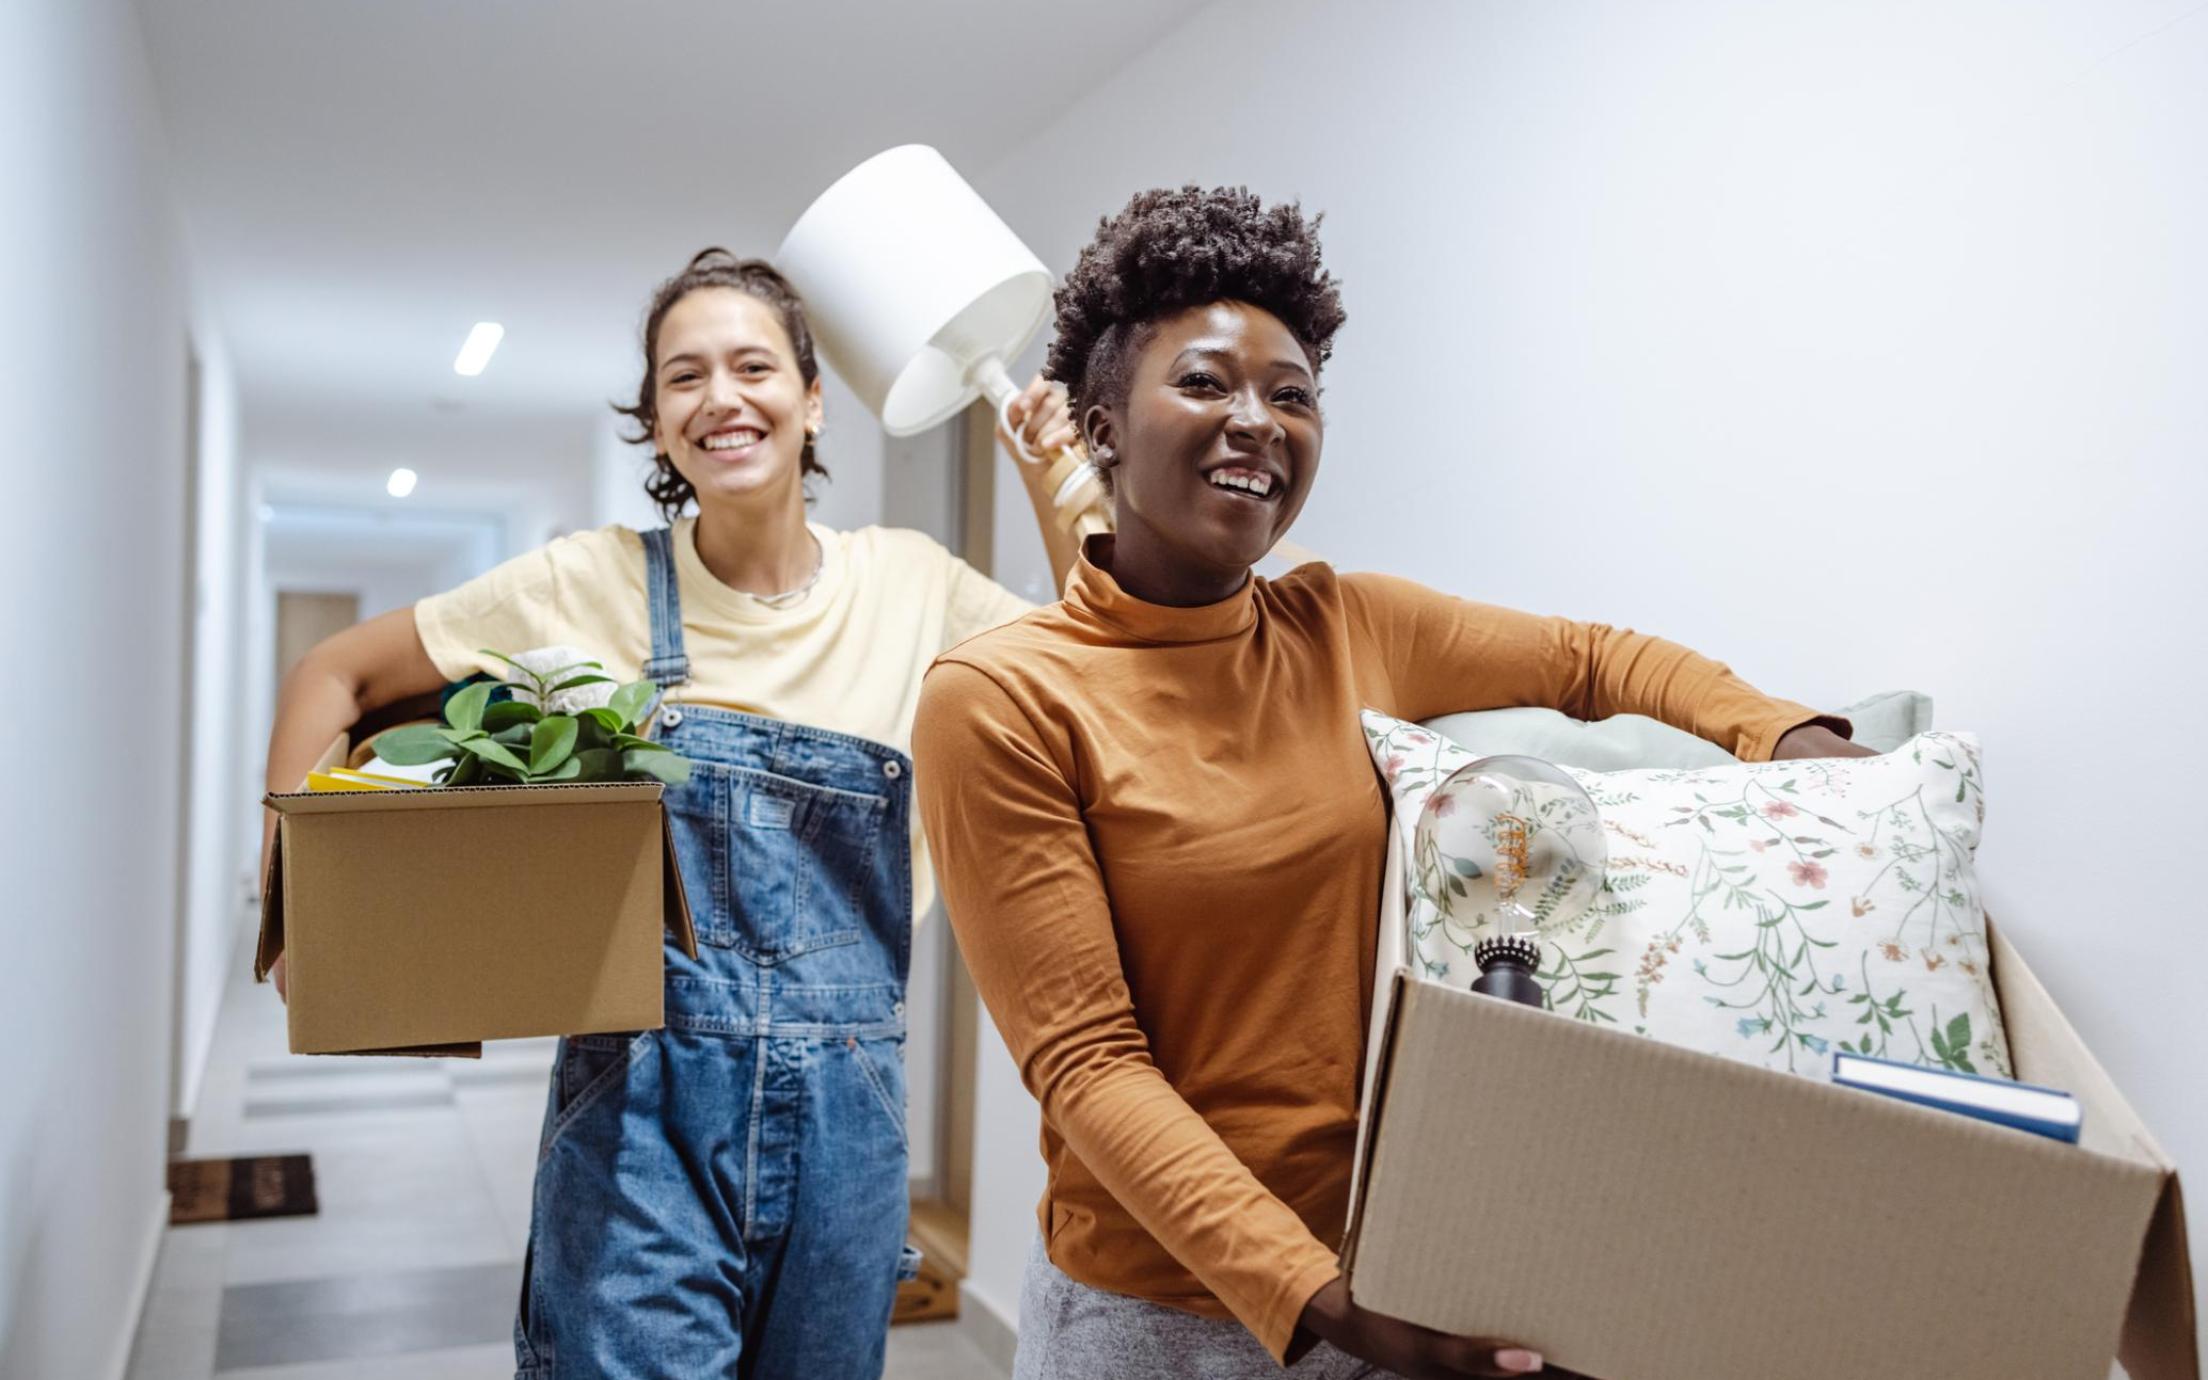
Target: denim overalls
pixel 726 1197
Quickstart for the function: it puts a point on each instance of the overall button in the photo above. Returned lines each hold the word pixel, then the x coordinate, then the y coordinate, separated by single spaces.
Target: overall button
pixel 893 770
pixel 670 717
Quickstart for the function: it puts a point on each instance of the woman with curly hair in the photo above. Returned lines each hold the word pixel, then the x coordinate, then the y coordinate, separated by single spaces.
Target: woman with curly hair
pixel 725 1196
pixel 1163 835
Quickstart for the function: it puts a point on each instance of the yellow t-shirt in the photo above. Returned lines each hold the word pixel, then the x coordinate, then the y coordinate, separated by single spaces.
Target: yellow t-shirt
pixel 847 657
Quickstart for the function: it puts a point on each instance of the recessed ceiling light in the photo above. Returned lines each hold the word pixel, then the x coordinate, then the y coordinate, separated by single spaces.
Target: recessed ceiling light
pixel 401 482
pixel 477 351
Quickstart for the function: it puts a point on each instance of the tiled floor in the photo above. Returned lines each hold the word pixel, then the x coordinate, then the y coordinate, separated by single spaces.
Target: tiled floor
pixel 409 1271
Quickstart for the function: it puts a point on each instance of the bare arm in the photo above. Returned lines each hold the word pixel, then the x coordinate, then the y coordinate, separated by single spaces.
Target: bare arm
pixel 1045 424
pixel 361 669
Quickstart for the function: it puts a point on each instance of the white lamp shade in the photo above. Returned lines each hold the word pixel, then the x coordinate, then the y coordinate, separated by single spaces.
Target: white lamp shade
pixel 912 285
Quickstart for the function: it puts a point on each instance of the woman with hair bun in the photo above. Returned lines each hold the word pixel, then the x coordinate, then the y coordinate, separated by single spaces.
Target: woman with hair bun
pixel 1162 845
pixel 726 1196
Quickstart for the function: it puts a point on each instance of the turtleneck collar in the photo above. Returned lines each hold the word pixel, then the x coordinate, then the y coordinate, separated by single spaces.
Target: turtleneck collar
pixel 1094 595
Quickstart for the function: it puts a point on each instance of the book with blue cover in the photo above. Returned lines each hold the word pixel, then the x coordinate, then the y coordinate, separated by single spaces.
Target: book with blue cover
pixel 2024 1106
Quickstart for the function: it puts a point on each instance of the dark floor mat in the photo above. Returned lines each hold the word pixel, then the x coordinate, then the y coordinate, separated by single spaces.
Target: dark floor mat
pixel 930 1298
pixel 231 1190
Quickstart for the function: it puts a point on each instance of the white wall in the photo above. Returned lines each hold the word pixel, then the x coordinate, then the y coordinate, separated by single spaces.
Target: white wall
pixel 1859 344
pixel 214 841
pixel 92 348
pixel 618 470
pixel 851 447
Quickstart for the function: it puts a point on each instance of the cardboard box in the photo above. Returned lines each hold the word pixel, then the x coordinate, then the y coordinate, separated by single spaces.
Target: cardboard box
pixel 426 921
pixel 1637 1211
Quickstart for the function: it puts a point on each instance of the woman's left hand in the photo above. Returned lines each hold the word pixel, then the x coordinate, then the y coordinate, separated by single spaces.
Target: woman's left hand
pixel 1816 740
pixel 1042 417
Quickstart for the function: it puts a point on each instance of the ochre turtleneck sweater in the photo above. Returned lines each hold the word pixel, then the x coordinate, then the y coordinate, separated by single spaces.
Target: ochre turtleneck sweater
pixel 1159 838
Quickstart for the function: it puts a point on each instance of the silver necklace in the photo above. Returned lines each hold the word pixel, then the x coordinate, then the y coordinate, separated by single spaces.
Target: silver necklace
pixel 797 593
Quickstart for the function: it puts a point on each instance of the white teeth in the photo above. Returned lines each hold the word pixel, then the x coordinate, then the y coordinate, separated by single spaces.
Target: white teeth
pixel 1260 485
pixel 733 439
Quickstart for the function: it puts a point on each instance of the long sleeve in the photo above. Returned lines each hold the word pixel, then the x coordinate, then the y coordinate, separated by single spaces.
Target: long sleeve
pixel 1442 654
pixel 1028 902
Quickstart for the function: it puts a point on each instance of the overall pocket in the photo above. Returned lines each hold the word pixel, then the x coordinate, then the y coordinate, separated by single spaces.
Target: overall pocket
pixel 881 1067
pixel 588 1069
pixel 786 863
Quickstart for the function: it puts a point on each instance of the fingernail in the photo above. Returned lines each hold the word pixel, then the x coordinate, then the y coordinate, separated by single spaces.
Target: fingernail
pixel 1518 1361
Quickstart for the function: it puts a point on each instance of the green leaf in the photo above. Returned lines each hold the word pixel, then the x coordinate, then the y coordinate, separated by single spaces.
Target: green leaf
pixel 552 743
pixel 465 772
pixel 413 745
pixel 465 710
pixel 491 751
pixel 631 700
pixel 632 743
pixel 605 718
pixel 507 713
pixel 667 766
pixel 572 681
pixel 1958 1032
pixel 597 764
pixel 569 770
pixel 485 651
pixel 517 736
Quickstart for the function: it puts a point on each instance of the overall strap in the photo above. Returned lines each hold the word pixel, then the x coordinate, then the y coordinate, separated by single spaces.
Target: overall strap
pixel 669 666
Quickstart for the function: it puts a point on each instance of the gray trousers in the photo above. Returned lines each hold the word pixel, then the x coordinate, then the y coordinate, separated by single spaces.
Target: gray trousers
pixel 1070 1331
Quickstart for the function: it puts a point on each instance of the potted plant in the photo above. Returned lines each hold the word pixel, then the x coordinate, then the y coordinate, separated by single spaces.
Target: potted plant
pixel 565 720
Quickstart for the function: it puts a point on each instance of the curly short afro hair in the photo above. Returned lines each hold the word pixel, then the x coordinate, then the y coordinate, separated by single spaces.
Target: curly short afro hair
pixel 1171 250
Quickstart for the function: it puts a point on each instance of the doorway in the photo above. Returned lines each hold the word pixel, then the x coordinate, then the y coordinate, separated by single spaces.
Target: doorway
pixel 943 482
pixel 306 617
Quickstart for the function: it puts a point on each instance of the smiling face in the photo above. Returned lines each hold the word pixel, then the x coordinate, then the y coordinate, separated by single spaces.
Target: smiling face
pixel 733 409
pixel 1214 450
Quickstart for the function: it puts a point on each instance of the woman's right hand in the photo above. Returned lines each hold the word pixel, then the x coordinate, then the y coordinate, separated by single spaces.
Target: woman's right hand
pixel 1417 1353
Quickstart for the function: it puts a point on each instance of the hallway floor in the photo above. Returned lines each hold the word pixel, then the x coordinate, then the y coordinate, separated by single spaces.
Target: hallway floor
pixel 410 1270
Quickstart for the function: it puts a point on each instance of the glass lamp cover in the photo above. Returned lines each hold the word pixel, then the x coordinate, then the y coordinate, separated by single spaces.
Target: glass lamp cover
pixel 1509 847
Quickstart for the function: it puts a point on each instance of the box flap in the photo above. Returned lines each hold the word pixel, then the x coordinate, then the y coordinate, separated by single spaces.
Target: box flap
pixel 672 896
pixel 2161 1339
pixel 271 941
pixel 1368 1121
pixel 2161 1336
pixel 1617 1203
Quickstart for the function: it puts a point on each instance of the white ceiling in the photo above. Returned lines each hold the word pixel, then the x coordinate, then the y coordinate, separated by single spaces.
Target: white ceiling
pixel 365 179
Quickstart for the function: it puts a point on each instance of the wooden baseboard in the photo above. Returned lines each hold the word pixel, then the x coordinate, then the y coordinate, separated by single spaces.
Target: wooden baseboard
pixel 940 1231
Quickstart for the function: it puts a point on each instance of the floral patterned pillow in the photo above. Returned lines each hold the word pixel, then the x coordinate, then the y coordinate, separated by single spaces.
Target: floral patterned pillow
pixel 1766 911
